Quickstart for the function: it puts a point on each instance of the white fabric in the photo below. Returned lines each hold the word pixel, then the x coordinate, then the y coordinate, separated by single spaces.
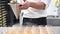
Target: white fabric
pixel 35 13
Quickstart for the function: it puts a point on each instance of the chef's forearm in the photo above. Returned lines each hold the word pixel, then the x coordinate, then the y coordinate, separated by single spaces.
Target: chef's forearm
pixel 38 5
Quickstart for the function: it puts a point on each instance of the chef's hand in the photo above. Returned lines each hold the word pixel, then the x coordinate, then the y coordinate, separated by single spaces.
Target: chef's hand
pixel 26 5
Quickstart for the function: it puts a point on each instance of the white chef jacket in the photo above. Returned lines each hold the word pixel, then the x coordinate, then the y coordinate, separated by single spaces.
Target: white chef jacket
pixel 35 13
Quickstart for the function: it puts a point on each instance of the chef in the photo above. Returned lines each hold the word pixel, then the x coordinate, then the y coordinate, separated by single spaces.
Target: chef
pixel 34 12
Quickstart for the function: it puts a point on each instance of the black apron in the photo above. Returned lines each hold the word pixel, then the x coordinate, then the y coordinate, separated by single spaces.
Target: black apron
pixel 34 21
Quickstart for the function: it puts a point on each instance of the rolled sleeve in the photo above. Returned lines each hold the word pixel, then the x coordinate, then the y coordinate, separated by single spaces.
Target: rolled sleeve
pixel 47 2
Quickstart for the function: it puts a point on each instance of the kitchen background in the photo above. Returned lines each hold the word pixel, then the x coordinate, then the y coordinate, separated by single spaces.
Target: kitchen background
pixel 54 19
pixel 7 17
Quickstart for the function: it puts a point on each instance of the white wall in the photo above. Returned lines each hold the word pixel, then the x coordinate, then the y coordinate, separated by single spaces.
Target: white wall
pixel 52 8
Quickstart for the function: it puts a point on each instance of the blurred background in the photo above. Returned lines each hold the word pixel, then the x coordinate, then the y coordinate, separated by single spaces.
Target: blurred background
pixel 7 17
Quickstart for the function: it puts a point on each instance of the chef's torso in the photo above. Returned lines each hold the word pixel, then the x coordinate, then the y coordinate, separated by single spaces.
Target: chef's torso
pixel 35 13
